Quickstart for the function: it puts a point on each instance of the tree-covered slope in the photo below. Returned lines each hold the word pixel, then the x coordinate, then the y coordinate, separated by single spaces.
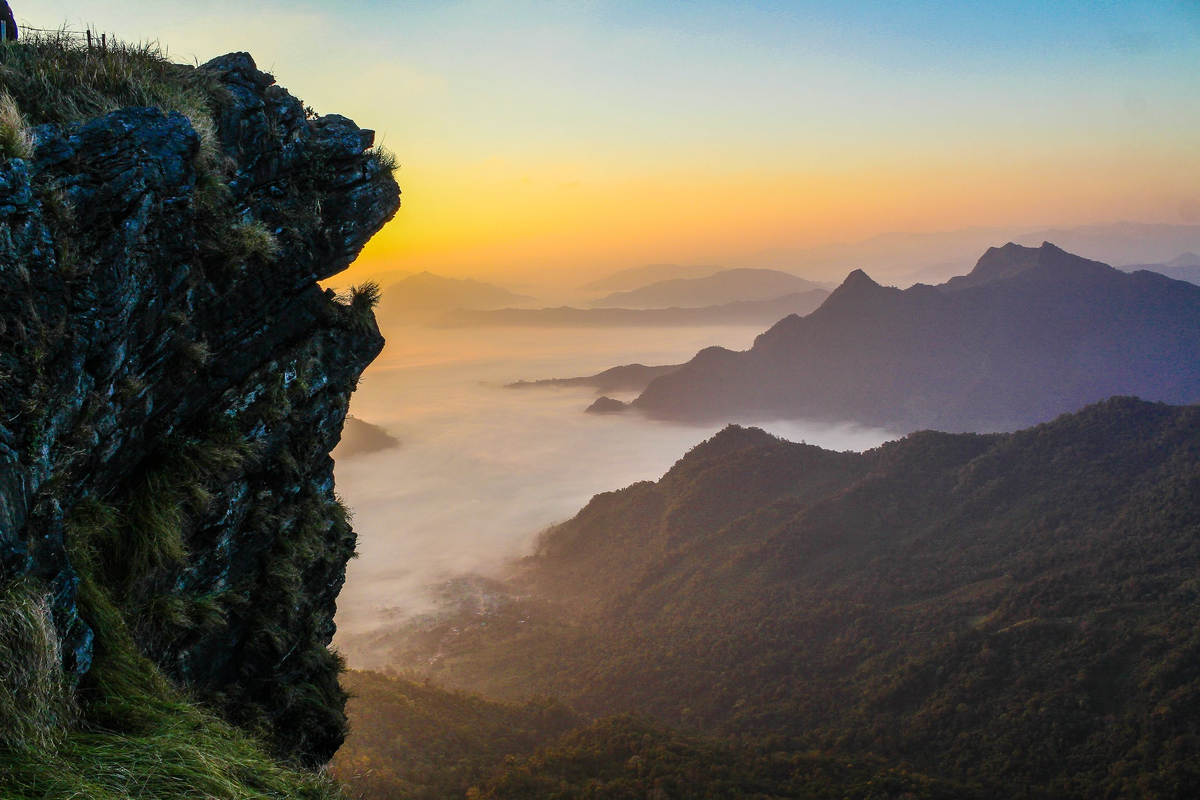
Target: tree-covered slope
pixel 1013 610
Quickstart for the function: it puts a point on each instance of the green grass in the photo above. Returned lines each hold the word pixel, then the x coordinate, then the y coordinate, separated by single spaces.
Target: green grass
pixel 35 698
pixel 139 737
pixel 15 140
pixel 127 732
pixel 55 78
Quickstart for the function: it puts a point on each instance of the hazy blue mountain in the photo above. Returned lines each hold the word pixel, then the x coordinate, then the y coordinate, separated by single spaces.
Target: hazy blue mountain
pixel 637 277
pixel 1183 268
pixel 751 312
pixel 727 286
pixel 425 295
pixel 1029 334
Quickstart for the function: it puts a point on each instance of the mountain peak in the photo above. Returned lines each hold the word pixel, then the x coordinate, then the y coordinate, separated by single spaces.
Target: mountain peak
pixel 1001 263
pixel 858 281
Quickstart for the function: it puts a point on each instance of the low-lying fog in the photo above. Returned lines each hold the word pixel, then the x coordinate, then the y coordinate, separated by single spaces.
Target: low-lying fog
pixel 481 469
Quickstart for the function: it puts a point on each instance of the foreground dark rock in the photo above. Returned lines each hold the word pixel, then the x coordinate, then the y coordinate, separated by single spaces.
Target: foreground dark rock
pixel 161 338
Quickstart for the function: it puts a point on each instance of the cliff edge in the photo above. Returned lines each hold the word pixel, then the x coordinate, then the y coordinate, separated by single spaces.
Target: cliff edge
pixel 172 380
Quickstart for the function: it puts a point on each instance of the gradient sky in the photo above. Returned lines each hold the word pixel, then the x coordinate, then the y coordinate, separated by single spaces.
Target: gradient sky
pixel 605 133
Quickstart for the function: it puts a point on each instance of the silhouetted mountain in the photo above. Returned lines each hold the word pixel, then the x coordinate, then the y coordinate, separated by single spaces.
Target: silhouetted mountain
pixel 1013 610
pixel 605 405
pixel 637 277
pixel 1031 333
pixel 896 256
pixel 752 312
pixel 360 438
pixel 627 378
pixel 425 295
pixel 727 286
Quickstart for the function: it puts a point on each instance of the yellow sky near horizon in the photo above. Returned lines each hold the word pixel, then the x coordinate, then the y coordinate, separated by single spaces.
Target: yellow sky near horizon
pixel 544 138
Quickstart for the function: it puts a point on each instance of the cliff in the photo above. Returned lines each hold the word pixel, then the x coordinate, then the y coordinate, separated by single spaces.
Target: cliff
pixel 172 380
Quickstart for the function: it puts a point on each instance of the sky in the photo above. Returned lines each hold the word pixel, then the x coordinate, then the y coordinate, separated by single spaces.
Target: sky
pixel 566 136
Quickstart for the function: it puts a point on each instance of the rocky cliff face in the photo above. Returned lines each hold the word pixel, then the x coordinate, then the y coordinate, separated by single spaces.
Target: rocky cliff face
pixel 172 380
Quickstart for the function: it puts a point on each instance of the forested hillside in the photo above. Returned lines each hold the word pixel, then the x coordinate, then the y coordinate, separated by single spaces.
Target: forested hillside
pixel 1012 610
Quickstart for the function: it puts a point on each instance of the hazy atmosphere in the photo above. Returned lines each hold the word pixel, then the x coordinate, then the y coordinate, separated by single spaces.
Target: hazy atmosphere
pixel 599 400
pixel 481 469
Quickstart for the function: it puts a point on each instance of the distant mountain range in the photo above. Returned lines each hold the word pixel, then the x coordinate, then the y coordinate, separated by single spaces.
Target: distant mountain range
pixel 752 312
pixel 1029 334
pixel 1184 268
pixel 726 286
pixel 424 296
pixel 906 258
pixel 1014 611
pixel 637 277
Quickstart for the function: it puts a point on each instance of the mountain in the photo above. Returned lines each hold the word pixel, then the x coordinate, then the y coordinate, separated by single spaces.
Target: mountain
pixel 1185 260
pixel 935 257
pixel 172 380
pixel 423 296
pixel 416 740
pixel 1015 611
pixel 727 286
pixel 1184 268
pixel 605 405
pixel 361 438
pixel 627 378
pixel 637 277
pixel 1029 334
pixel 750 312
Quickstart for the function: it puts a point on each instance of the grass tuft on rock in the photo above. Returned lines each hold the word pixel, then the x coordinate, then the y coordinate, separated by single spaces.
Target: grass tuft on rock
pixel 15 139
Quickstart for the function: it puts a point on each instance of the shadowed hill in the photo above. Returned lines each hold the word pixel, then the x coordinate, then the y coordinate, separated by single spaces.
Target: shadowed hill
pixel 1016 610
pixel 1029 334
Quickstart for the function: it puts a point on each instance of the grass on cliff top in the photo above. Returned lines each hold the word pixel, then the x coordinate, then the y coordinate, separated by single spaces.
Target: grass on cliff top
pixel 55 78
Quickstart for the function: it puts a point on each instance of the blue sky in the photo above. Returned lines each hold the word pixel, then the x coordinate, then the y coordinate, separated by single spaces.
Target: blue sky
pixel 1093 107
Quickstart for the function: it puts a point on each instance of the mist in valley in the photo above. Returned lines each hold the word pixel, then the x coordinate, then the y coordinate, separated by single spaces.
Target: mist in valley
pixel 482 469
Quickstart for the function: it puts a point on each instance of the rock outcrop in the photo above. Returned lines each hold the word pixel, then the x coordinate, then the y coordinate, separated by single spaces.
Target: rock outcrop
pixel 172 380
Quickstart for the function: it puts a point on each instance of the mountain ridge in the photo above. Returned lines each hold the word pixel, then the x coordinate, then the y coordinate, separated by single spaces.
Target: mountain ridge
pixel 1010 609
pixel 1032 333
